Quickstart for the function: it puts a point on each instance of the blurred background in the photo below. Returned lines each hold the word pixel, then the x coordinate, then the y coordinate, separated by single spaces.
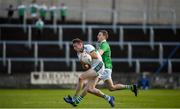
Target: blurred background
pixel 36 50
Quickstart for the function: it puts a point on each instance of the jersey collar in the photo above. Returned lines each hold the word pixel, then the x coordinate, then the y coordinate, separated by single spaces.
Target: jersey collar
pixel 103 41
pixel 82 49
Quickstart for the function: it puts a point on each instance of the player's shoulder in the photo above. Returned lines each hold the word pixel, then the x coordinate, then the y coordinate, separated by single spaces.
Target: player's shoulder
pixel 89 48
pixel 105 44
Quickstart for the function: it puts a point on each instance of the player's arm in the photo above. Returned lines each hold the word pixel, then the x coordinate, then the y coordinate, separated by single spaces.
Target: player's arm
pixel 93 54
pixel 84 65
pixel 101 51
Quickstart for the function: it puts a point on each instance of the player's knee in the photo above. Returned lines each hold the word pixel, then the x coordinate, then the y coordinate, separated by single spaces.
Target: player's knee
pixel 111 88
pixel 81 79
pixel 84 85
pixel 90 90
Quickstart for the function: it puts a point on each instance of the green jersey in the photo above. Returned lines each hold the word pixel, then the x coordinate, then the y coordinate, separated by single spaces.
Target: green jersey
pixel 106 56
pixel 43 10
pixel 63 11
pixel 34 8
pixel 21 10
pixel 52 10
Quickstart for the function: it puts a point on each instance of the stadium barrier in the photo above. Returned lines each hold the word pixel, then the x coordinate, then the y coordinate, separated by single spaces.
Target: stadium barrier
pixel 58 80
pixel 55 78
pixel 39 61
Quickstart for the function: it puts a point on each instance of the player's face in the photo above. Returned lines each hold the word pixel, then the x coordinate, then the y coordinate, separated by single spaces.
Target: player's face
pixel 78 47
pixel 100 37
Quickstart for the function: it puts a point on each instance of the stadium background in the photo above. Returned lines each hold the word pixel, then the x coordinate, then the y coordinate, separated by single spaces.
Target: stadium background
pixel 144 36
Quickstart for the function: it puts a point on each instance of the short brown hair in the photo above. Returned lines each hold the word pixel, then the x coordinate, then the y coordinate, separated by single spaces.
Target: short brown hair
pixel 105 33
pixel 77 40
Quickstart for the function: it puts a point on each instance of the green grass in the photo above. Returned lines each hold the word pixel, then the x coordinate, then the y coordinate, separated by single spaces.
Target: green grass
pixel 54 99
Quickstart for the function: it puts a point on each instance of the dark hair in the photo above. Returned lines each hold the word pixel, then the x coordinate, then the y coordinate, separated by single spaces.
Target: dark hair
pixel 105 33
pixel 77 40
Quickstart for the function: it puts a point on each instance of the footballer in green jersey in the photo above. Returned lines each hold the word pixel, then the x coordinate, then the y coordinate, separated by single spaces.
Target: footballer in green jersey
pixel 105 52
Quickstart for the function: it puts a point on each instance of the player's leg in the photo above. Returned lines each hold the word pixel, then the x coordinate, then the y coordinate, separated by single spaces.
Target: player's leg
pixel 113 87
pixel 86 75
pixel 89 74
pixel 78 98
pixel 91 88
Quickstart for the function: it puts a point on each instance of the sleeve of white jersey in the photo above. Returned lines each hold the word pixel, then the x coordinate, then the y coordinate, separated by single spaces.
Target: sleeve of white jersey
pixel 90 48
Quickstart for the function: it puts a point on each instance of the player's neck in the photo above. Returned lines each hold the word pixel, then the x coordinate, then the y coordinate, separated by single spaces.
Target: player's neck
pixel 104 40
pixel 82 50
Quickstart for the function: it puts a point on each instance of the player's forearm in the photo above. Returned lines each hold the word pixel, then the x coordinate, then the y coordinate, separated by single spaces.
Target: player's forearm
pixel 84 65
pixel 100 51
pixel 94 55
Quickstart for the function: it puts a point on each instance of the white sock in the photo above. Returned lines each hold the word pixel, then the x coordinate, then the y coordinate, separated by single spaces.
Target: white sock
pixel 127 86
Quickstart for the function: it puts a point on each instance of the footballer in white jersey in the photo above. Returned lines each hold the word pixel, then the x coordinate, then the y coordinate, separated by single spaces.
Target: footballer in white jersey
pixel 96 64
pixel 91 75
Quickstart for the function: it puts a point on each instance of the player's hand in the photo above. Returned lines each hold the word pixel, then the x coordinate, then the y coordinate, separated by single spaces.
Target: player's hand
pixel 86 66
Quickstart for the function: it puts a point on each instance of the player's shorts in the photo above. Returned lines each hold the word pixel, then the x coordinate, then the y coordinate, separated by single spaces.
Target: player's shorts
pixel 99 69
pixel 106 74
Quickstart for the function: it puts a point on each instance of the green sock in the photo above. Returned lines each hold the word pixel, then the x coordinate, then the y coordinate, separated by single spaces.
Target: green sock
pixel 78 99
pixel 106 97
pixel 74 97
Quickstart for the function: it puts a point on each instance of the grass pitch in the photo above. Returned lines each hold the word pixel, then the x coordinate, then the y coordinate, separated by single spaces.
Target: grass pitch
pixel 35 98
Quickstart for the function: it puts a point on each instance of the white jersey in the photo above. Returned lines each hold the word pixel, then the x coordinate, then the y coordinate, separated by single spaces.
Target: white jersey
pixel 88 49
